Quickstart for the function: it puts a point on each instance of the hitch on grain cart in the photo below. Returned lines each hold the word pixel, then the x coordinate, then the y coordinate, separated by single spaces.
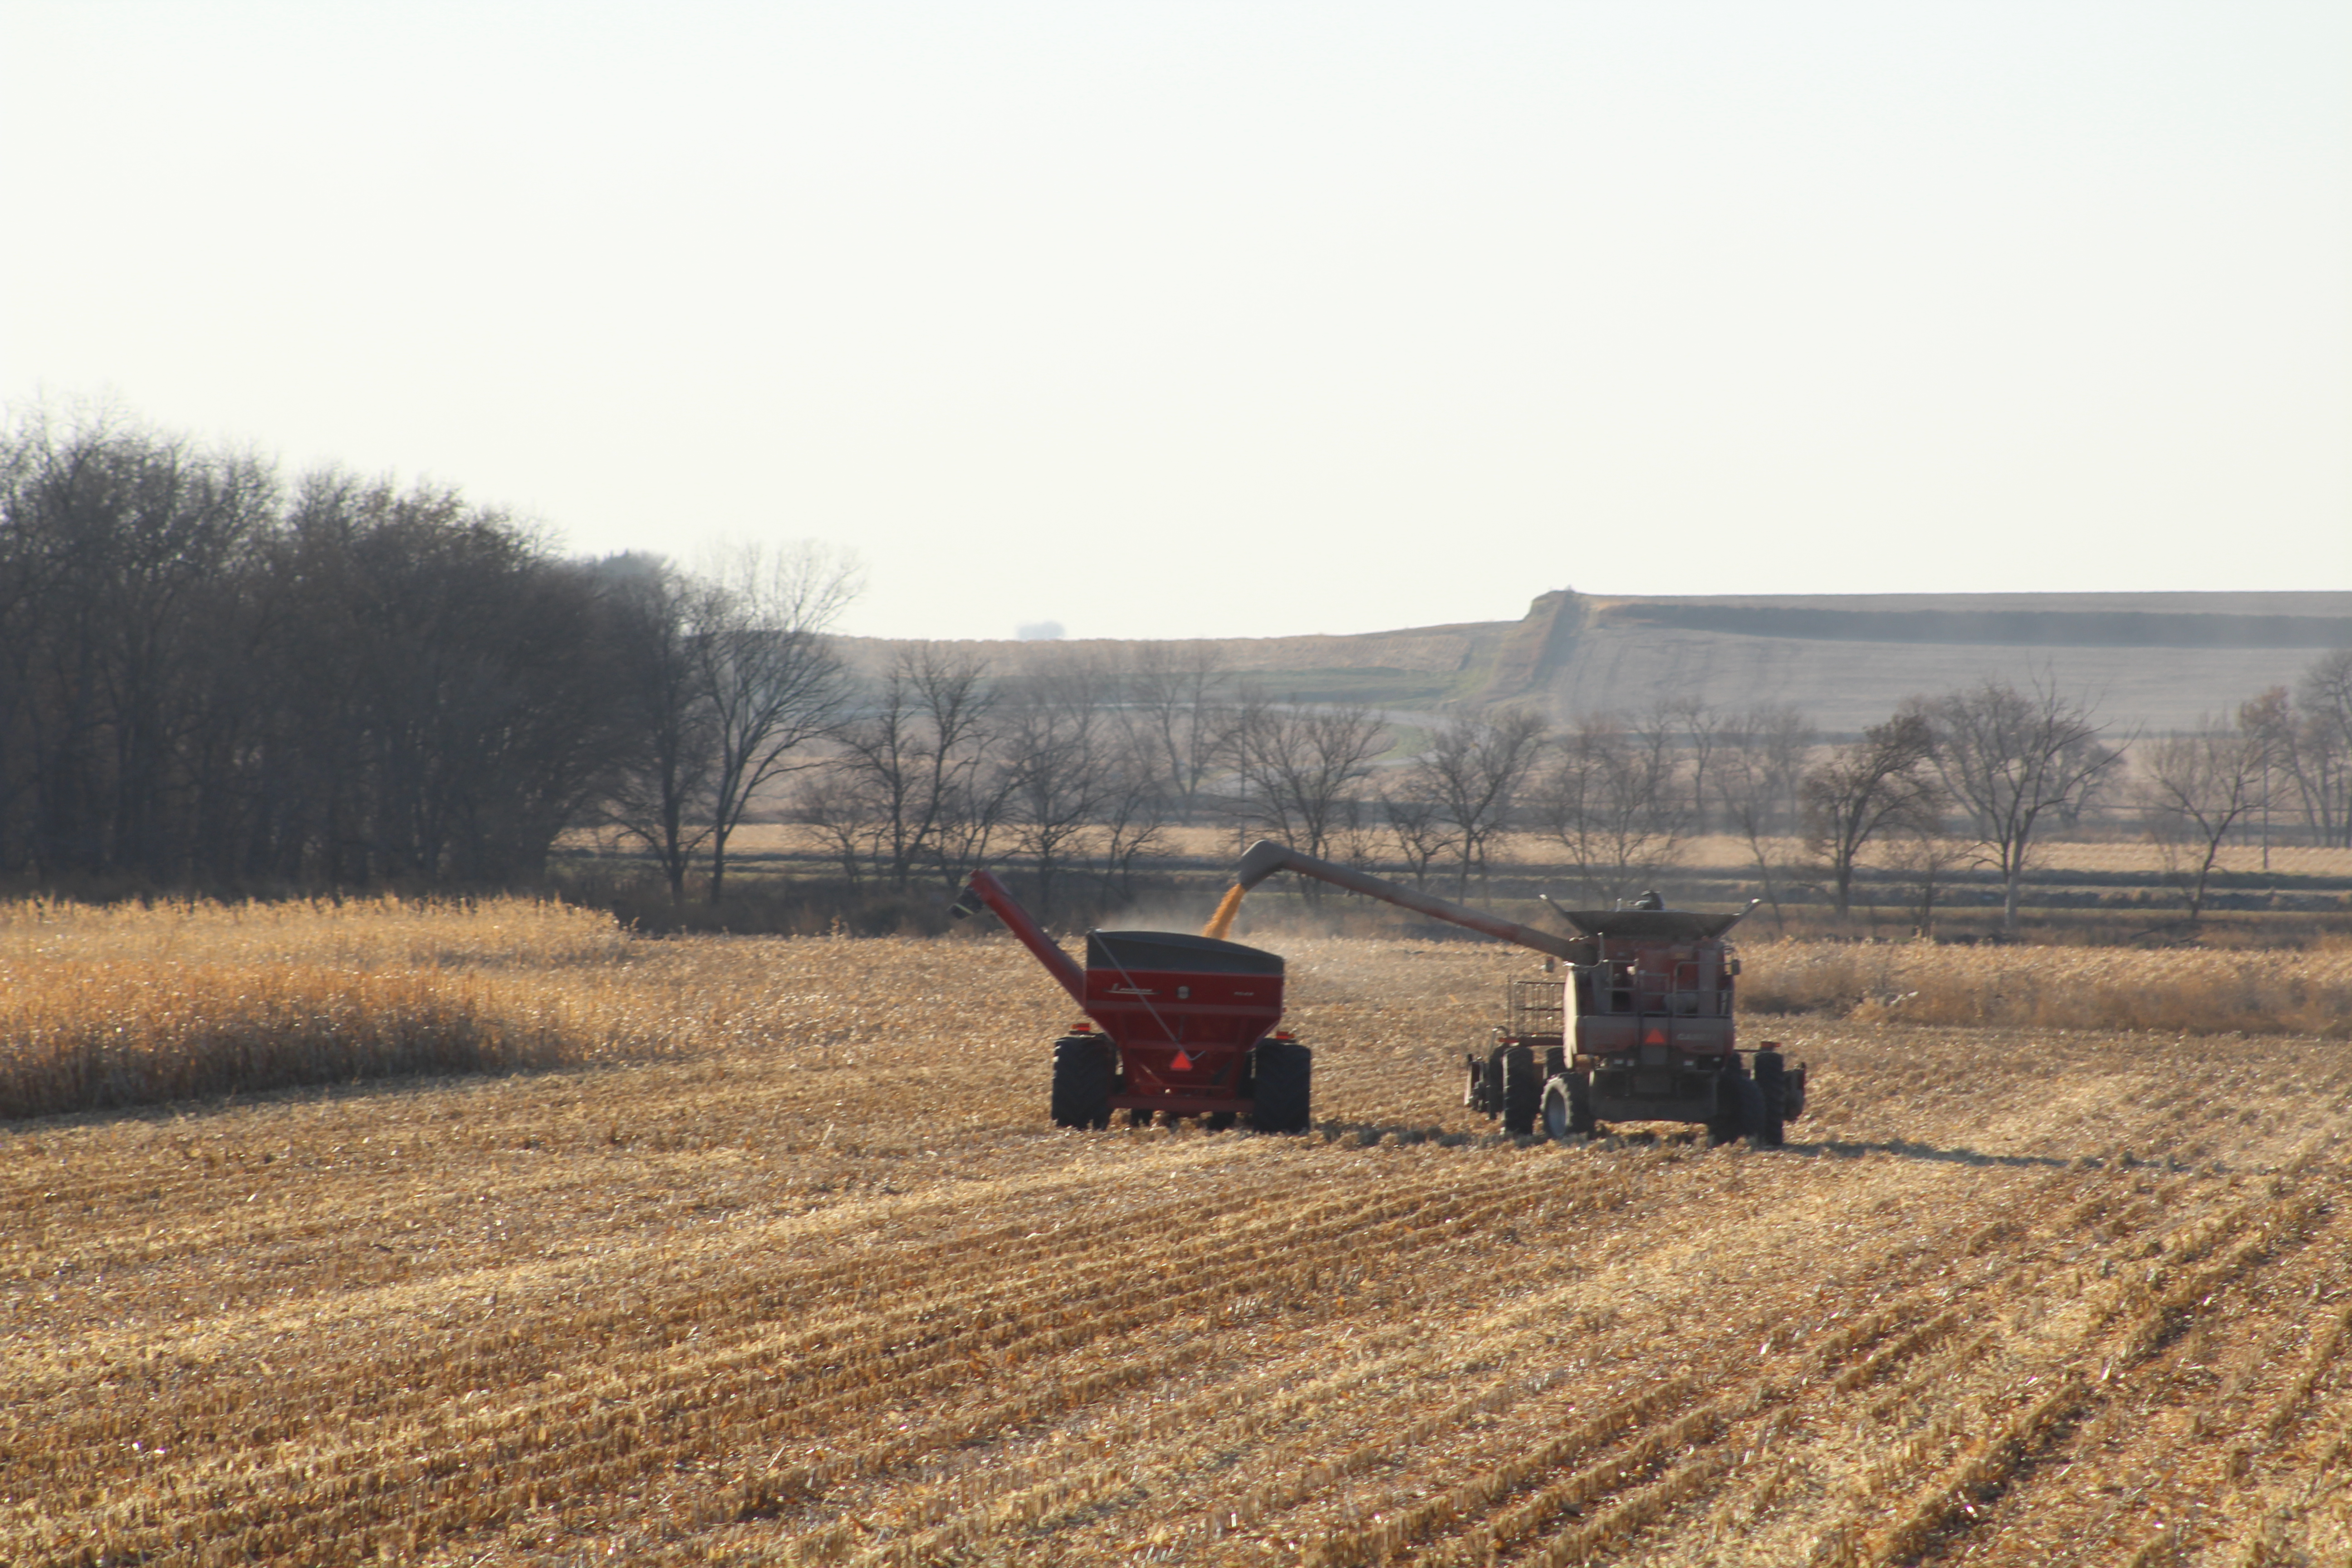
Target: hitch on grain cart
pixel 1631 1021
pixel 1176 1025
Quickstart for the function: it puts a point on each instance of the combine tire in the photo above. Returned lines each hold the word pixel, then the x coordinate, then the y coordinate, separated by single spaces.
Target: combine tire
pixel 1488 1096
pixel 1522 1092
pixel 1739 1108
pixel 1730 1118
pixel 1081 1081
pixel 1286 1087
pixel 1567 1107
pixel 1772 1092
pixel 1556 1112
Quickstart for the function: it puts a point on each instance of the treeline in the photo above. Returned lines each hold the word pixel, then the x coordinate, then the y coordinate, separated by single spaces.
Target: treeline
pixel 1079 771
pixel 213 675
pixel 210 676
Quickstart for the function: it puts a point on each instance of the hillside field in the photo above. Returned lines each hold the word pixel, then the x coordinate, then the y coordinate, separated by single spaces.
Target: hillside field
pixel 784 1265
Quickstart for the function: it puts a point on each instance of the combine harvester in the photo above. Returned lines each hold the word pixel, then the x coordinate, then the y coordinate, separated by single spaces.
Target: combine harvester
pixel 1176 1025
pixel 1637 1025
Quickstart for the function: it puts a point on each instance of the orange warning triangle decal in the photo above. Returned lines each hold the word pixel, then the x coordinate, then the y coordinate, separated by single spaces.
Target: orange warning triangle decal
pixel 1183 1063
pixel 1656 1036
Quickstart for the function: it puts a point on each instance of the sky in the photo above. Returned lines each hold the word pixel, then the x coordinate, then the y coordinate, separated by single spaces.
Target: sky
pixel 1205 319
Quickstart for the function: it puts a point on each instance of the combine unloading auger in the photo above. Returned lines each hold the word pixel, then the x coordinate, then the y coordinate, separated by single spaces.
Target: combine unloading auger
pixel 1630 1022
pixel 1176 1025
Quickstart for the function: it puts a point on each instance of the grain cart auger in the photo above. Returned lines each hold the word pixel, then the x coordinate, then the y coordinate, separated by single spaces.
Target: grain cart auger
pixel 1630 1022
pixel 1178 1024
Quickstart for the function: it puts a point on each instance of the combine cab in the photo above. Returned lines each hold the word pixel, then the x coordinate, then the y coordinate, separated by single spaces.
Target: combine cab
pixel 1175 1024
pixel 1632 1020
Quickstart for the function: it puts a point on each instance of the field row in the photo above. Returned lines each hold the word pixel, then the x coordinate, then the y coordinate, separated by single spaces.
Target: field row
pixel 2012 1297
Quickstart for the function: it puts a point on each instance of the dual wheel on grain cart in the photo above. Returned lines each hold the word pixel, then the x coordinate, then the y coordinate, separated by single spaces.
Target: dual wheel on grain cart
pixel 1280 1086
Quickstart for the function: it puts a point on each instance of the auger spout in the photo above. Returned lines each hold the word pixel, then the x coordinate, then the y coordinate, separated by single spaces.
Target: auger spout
pixel 1266 857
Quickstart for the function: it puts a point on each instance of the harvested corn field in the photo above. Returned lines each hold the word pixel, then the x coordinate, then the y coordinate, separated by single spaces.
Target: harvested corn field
pixel 820 1285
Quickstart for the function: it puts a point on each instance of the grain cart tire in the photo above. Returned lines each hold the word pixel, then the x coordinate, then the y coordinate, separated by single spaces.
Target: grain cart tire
pixel 1081 1081
pixel 1771 1090
pixel 1286 1087
pixel 1522 1092
pixel 1218 1121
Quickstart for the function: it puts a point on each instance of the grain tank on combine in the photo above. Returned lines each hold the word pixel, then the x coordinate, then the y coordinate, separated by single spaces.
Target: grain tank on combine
pixel 1176 1025
pixel 1631 1021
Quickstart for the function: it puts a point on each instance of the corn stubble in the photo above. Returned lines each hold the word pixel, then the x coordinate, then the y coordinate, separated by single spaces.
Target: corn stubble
pixel 785 1266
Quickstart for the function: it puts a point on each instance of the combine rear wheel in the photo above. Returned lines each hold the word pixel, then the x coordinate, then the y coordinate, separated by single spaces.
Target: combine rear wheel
pixel 1522 1092
pixel 1081 1081
pixel 1285 1087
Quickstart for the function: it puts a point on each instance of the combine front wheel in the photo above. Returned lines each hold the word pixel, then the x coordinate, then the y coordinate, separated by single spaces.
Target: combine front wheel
pixel 1567 1109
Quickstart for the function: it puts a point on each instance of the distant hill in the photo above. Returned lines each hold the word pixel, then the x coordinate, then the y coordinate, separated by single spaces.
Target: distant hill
pixel 2154 660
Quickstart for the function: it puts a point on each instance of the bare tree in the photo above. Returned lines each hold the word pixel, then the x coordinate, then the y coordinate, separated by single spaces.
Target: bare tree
pixel 661 794
pixel 2324 697
pixel 2194 789
pixel 2307 739
pixel 2010 758
pixel 1876 783
pixel 2269 719
pixel 1415 820
pixel 1298 765
pixel 839 803
pixel 1137 803
pixel 774 683
pixel 1615 804
pixel 916 752
pixel 1923 857
pixel 1057 758
pixel 1474 768
pixel 1177 694
pixel 1759 768
pixel 1704 732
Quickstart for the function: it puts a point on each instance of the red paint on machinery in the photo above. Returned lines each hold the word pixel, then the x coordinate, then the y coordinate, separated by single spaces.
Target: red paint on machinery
pixel 1184 1017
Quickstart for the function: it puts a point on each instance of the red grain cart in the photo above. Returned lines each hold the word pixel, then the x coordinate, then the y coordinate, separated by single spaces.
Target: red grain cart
pixel 1175 1024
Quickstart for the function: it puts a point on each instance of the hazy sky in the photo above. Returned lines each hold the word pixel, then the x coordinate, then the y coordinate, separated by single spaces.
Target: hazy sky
pixel 1164 319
